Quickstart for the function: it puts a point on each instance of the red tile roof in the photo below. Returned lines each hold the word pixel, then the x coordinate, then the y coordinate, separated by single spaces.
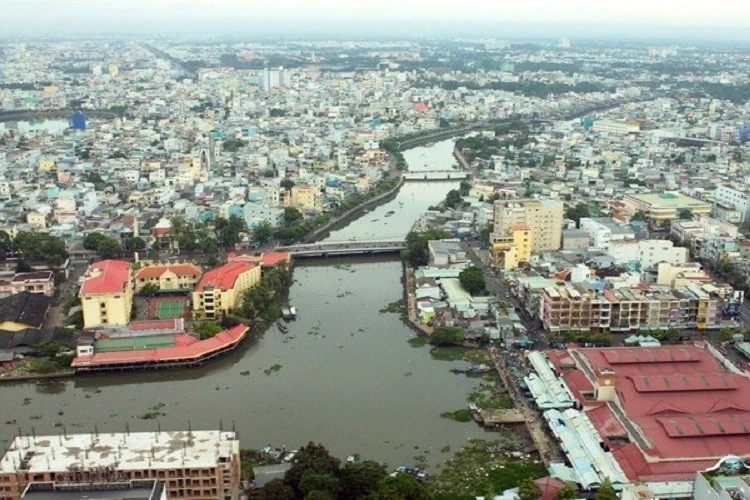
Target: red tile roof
pixel 109 276
pixel 272 259
pixel 151 272
pixel 689 408
pixel 223 277
pixel 186 348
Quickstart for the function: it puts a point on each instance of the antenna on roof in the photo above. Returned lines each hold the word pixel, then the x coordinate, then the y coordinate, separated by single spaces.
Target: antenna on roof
pixel 33 432
pixel 127 428
pixel 190 429
pixel 221 425
pixel 96 430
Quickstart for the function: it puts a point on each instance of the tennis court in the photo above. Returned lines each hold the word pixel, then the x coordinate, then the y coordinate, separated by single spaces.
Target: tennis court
pixel 133 343
pixel 170 309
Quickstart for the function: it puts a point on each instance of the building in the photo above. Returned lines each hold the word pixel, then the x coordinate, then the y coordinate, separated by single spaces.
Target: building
pixel 37 219
pixel 614 127
pixel 543 217
pixel 664 207
pixel 513 248
pixel 190 464
pixel 107 294
pixel 220 289
pixel 143 489
pixel 447 253
pixel 575 239
pixel 23 310
pixel 739 200
pixel 603 230
pixel 573 307
pixel 34 282
pixel 304 197
pixel 664 413
pixel 168 277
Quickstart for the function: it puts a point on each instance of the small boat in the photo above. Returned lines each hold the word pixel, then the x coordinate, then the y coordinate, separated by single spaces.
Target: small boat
pixel 281 326
pixel 288 313
pixel 293 310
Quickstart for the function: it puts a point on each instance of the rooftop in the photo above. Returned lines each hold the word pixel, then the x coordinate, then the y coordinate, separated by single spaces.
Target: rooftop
pixel 106 276
pixel 25 308
pixel 122 451
pixel 223 277
pixel 668 200
pixel 151 272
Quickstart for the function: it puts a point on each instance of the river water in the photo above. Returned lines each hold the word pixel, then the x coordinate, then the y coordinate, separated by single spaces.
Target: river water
pixel 348 377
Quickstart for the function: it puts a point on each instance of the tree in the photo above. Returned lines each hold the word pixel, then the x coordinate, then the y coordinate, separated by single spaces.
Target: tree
pixel 314 481
pixel 568 491
pixel 529 490
pixel 311 458
pixel 485 232
pixel 472 280
pixel 464 187
pixel 400 487
pixel 577 212
pixel 606 491
pixel 207 329
pixel 291 216
pixel 447 335
pixel 640 215
pixel 6 245
pixel 319 495
pixel 277 489
pixel 287 184
pixel 108 248
pixel 685 214
pixel 136 243
pixel 229 231
pixel 359 479
pixel 91 241
pixel 416 252
pixel 453 198
pixel 263 232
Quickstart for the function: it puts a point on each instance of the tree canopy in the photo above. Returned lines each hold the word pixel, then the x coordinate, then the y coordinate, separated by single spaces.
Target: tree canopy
pixel 416 252
pixel 42 247
pixel 529 490
pixel 472 280
pixel 577 212
pixel 606 491
pixel 263 232
pixel 447 335
pixel 453 198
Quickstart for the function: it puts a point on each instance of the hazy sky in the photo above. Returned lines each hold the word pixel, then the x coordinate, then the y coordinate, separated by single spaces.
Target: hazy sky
pixel 723 18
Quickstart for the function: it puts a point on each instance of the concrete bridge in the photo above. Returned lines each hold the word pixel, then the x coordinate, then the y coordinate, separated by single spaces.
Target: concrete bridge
pixel 436 175
pixel 336 248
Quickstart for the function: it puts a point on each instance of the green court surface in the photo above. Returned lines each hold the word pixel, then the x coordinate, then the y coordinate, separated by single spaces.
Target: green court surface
pixel 169 309
pixel 133 343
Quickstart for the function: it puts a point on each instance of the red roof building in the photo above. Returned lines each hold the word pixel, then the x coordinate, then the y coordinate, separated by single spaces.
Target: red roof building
pixel 221 288
pixel 223 277
pixel 665 412
pixel 106 276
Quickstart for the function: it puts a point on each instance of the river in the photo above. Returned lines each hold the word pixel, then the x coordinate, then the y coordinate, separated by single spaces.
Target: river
pixel 348 377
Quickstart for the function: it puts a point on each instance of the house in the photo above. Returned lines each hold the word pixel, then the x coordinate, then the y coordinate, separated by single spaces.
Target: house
pixel 107 293
pixel 23 310
pixel 179 276
pixel 220 289
pixel 35 282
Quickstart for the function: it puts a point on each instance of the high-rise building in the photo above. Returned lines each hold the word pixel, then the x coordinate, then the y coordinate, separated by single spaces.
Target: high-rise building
pixel 190 464
pixel 543 217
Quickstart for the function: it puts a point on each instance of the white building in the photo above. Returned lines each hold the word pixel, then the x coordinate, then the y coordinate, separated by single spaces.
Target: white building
pixel 738 200
pixel 602 231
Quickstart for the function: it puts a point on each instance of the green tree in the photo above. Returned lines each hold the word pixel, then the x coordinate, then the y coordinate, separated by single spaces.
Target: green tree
pixel 464 188
pixel 149 289
pixel 91 241
pixel 472 280
pixel 287 184
pixel 108 248
pixel 453 198
pixel 606 491
pixel 447 335
pixel 315 481
pixel 577 212
pixel 416 252
pixel 485 232
pixel 6 245
pixel 640 215
pixel 277 489
pixel 207 329
pixel 319 495
pixel 359 479
pixel 569 491
pixel 529 490
pixel 136 243
pixel 311 458
pixel 263 232
pixel 400 487
pixel 291 216
pixel 685 214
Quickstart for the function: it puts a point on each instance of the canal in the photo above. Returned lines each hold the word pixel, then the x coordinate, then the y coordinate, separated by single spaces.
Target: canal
pixel 344 374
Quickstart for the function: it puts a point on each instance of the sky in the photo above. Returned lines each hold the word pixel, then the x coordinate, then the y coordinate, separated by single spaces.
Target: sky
pixel 573 18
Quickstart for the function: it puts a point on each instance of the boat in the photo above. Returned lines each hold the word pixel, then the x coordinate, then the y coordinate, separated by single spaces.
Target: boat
pixel 282 327
pixel 289 313
pixel 416 473
pixel 293 310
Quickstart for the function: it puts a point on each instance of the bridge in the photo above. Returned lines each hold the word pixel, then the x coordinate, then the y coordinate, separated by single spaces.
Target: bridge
pixel 436 175
pixel 337 248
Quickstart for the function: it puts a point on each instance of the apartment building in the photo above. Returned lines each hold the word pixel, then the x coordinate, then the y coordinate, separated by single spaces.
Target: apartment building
pixel 604 230
pixel 739 200
pixel 543 217
pixel 191 464
pixel 220 289
pixel 177 276
pixel 304 197
pixel 511 249
pixel 615 127
pixel 578 308
pixel 33 282
pixel 107 294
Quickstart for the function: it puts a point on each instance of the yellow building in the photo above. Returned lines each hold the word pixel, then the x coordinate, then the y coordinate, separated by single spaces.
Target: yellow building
pixel 46 164
pixel 304 197
pixel 107 294
pixel 512 248
pixel 169 276
pixel 543 217
pixel 36 219
pixel 220 289
pixel 664 207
